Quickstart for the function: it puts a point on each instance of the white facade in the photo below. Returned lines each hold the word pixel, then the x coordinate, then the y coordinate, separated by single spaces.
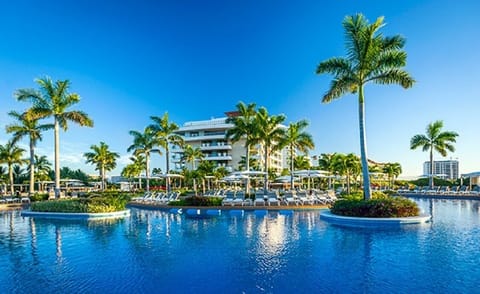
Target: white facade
pixel 209 136
pixel 444 169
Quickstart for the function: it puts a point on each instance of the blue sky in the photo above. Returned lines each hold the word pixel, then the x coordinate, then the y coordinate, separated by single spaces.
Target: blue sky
pixel 196 59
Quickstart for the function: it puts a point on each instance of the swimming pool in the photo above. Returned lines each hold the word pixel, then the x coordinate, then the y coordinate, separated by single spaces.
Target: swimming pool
pixel 157 251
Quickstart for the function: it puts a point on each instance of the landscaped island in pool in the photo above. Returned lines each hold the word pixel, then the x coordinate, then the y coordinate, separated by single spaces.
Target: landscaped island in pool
pixel 254 251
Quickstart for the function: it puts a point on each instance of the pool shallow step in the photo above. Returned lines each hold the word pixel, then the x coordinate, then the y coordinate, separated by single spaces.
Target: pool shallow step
pixel 261 212
pixel 285 212
pixel 236 212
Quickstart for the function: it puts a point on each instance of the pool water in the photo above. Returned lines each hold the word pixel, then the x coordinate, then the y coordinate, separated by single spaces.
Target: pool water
pixel 160 252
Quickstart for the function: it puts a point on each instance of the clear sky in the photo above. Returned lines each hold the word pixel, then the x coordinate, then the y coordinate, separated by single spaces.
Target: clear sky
pixel 129 60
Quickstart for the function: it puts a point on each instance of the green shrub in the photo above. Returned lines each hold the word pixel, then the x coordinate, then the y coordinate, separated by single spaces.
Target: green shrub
pixel 94 203
pixel 377 207
pixel 198 201
pixel 39 197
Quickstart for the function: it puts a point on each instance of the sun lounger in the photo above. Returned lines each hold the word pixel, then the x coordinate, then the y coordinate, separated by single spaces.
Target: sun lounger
pixel 229 197
pixel 289 198
pixel 259 198
pixel 273 198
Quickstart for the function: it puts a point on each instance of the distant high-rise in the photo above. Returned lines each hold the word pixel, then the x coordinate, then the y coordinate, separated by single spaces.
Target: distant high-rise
pixel 444 169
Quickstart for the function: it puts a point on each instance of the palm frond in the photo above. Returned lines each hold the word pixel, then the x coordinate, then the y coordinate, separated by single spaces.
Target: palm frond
pixel 394 76
pixel 339 87
pixel 336 66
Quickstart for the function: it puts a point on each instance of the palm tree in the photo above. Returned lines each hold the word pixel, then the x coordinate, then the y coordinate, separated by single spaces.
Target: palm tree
pixel 104 159
pixel 134 169
pixel 436 140
pixel 393 170
pixel 28 127
pixel 346 165
pixel 296 139
pixel 191 155
pixel 325 162
pixel 301 162
pixel 269 134
pixel 18 174
pixel 205 168
pixel 11 154
pixel 243 128
pixel 54 100
pixel 252 163
pixel 371 57
pixel 42 169
pixel 165 132
pixel 144 144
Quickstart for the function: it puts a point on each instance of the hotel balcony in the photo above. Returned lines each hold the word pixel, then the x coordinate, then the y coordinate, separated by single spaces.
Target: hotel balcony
pixel 216 147
pixel 204 137
pixel 218 157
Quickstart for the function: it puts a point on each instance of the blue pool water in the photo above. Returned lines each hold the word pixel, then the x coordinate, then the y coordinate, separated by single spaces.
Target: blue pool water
pixel 160 252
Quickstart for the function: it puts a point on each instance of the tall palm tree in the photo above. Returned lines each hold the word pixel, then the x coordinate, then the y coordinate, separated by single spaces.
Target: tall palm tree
pixel 11 154
pixel 134 169
pixel 346 165
pixel 296 139
pixel 54 100
pixel 371 57
pixel 28 127
pixel 243 128
pixel 166 136
pixel 18 174
pixel 392 170
pixel 104 159
pixel 253 163
pixel 436 140
pixel 269 134
pixel 191 155
pixel 144 144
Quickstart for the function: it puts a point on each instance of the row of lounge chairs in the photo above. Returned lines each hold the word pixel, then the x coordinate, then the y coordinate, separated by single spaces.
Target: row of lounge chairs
pixel 157 197
pixel 272 198
pixel 443 190
pixel 11 200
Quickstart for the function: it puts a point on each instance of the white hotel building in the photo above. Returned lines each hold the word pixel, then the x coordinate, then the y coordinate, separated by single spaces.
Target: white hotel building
pixel 209 136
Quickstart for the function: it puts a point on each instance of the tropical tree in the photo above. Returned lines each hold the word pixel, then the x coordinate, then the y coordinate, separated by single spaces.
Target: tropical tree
pixel 301 162
pixel 205 168
pixel 11 154
pixel 144 144
pixel 371 57
pixel 165 132
pixel 27 127
pixel 253 163
pixel 103 159
pixel 296 139
pixel 156 171
pixel 54 100
pixel 325 162
pixel 346 165
pixel 42 169
pixel 191 155
pixel 393 170
pixel 134 169
pixel 18 174
pixel 434 139
pixel 243 129
pixel 269 134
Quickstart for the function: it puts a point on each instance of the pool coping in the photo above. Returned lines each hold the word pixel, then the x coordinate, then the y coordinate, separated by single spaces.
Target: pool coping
pixel 82 216
pixel 351 221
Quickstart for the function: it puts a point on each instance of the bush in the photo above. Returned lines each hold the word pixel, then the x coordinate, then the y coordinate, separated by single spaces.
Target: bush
pixel 198 201
pixel 377 207
pixel 39 197
pixel 94 203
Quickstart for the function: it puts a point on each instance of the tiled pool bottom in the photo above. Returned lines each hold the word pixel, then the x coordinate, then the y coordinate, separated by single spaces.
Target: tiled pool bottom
pixel 159 252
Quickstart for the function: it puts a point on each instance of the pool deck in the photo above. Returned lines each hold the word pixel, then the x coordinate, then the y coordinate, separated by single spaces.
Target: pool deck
pixel 13 206
pixel 229 207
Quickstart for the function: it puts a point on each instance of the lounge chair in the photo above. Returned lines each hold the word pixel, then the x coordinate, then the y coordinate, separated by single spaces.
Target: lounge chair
pixel 239 198
pixel 229 198
pixel 259 198
pixel 273 198
pixel 289 198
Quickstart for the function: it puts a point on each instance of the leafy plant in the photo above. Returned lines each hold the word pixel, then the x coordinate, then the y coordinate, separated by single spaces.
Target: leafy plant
pixel 383 206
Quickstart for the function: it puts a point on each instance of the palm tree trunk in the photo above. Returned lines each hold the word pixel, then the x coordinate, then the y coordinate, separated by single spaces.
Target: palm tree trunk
pixel 103 178
pixel 265 184
pixel 247 158
pixel 431 168
pixel 167 179
pixel 147 170
pixel 291 166
pixel 32 169
pixel 10 175
pixel 348 183
pixel 194 180
pixel 363 145
pixel 57 158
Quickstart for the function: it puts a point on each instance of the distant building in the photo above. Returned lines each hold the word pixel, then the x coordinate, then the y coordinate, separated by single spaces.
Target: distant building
pixel 444 169
pixel 209 136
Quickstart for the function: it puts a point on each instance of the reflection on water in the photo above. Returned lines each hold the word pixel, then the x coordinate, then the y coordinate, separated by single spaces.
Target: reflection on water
pixel 156 251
